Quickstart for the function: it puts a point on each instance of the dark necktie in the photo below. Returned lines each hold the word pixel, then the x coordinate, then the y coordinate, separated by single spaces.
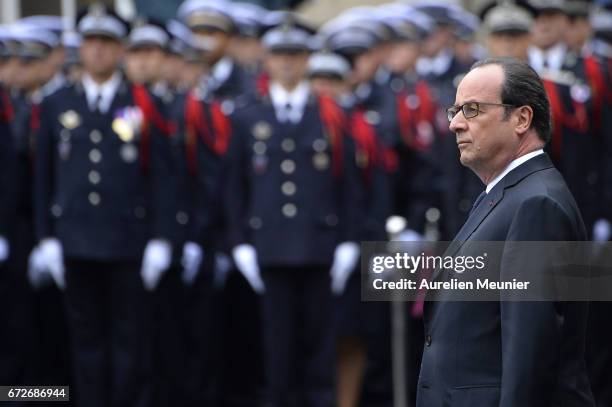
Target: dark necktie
pixel 97 102
pixel 288 111
pixel 477 201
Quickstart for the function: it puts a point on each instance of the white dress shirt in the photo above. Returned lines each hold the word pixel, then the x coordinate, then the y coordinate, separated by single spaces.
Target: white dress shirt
pixel 515 163
pixel 551 59
pixel 289 106
pixel 102 94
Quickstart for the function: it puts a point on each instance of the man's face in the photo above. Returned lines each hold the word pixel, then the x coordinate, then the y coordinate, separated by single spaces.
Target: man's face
pixel 29 75
pixel 144 64
pixel 100 55
pixel 486 142
pixel 577 33
pixel 403 56
pixel 548 29
pixel 48 69
pixel 287 67
pixel 364 67
pixel 172 69
pixel 218 40
pixel 57 58
pixel 513 45
pixel 437 41
pixel 10 71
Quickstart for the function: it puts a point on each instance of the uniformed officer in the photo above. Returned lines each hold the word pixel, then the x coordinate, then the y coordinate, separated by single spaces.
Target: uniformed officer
pixel 292 200
pixel 219 91
pixel 548 51
pixel 102 204
pixel 145 56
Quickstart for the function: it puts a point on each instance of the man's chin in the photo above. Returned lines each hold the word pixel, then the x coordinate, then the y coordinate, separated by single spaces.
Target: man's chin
pixel 465 159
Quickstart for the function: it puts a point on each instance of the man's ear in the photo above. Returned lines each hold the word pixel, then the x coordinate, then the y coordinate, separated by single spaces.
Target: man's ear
pixel 524 116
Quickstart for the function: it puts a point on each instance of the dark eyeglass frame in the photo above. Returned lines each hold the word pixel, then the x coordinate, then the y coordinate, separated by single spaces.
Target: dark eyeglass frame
pixel 452 111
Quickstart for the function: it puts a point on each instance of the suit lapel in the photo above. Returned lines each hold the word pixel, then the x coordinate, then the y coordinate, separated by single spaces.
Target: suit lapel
pixel 492 199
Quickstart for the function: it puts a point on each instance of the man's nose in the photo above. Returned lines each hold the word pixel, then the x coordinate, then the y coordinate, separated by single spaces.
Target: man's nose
pixel 458 123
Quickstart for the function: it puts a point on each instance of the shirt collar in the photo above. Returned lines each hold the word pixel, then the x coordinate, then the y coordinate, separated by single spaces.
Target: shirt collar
pixel 107 91
pixel 515 163
pixel 554 57
pixel 296 99
pixel 437 65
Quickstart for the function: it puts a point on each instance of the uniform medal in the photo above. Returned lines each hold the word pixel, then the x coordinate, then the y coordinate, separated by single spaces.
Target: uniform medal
pixel 70 119
pixel 128 152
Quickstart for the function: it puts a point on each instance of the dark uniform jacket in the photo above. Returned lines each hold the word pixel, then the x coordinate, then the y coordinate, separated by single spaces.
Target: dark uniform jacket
pixel 293 190
pixel 102 191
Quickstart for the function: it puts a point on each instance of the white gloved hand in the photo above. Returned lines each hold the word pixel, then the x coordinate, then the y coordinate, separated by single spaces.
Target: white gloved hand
pixel 191 261
pixel 345 260
pixel 53 257
pixel 409 235
pixel 155 262
pixel 38 275
pixel 245 258
pixel 5 249
pixel 601 230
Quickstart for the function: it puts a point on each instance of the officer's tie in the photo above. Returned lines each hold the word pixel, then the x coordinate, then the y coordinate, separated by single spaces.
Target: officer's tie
pixel 96 105
pixel 477 201
pixel 287 112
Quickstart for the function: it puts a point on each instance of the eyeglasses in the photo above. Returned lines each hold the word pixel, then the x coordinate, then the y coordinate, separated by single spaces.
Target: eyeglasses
pixel 470 109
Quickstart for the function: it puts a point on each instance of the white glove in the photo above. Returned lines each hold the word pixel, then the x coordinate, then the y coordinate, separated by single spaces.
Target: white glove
pixel 155 262
pixel 53 259
pixel 409 235
pixel 191 261
pixel 5 249
pixel 223 265
pixel 345 260
pixel 601 230
pixel 38 275
pixel 245 258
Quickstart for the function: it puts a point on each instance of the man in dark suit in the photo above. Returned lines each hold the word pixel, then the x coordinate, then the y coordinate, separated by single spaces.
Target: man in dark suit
pixel 507 353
